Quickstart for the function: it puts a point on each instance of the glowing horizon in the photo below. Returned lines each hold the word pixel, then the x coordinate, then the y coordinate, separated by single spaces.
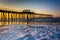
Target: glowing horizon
pixel 44 7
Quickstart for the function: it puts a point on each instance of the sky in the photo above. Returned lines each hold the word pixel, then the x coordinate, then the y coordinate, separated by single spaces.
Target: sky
pixel 38 6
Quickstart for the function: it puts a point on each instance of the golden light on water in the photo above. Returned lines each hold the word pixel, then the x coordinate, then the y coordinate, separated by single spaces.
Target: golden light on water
pixel 10 17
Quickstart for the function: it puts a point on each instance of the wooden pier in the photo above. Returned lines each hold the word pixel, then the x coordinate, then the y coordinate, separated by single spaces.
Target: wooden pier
pixel 12 17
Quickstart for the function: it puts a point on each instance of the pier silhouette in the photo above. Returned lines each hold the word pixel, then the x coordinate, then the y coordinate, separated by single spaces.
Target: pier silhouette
pixel 8 17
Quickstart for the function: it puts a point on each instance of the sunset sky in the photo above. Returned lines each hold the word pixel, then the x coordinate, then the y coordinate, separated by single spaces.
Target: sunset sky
pixel 38 6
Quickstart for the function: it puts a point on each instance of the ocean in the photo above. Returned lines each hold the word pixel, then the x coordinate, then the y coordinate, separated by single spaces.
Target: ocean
pixel 32 31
